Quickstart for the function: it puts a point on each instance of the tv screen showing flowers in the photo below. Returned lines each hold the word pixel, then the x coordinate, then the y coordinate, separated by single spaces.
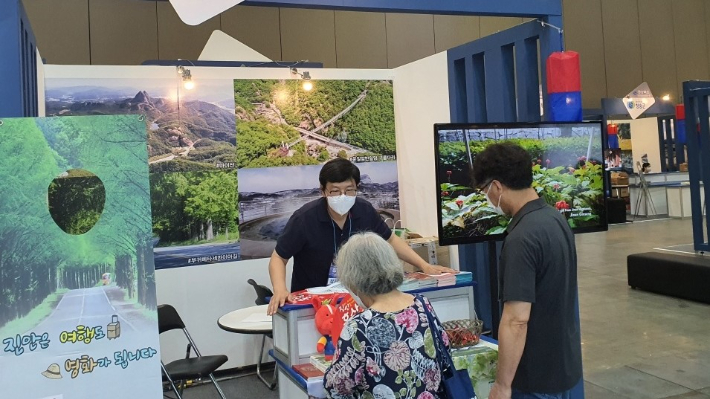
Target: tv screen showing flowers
pixel 568 172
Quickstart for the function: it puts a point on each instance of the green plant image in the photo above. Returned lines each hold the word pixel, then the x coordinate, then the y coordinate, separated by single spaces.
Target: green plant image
pixel 481 363
pixel 576 193
pixel 465 211
pixel 562 175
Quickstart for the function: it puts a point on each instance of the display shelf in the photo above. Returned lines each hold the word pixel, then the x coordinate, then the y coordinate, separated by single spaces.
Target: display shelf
pixel 618 189
pixel 659 185
pixel 295 336
pixel 293 385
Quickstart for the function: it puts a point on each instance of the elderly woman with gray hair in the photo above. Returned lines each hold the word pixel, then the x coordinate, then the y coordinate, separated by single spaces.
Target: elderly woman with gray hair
pixel 388 350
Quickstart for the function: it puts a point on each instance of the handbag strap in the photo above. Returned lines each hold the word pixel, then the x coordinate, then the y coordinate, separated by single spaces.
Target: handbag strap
pixel 438 340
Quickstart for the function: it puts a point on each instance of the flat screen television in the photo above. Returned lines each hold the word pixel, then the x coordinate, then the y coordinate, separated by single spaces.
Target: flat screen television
pixel 568 171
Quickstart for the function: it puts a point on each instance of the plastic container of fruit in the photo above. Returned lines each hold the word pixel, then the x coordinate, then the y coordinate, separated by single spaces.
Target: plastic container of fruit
pixel 463 333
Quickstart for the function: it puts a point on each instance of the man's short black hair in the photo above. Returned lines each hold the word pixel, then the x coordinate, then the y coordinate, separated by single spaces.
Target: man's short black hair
pixel 338 170
pixel 507 162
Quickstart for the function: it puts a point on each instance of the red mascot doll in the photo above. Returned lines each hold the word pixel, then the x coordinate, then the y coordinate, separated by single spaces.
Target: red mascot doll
pixel 330 318
pixel 325 316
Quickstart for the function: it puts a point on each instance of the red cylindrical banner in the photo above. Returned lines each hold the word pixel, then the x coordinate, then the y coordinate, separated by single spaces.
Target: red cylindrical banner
pixel 563 72
pixel 680 111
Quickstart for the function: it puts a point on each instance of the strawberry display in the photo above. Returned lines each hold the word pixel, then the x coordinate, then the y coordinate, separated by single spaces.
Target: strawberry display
pixel 463 333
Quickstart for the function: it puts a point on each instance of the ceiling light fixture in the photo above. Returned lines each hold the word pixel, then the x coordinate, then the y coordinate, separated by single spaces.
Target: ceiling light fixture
pixel 306 76
pixel 187 82
pixel 307 83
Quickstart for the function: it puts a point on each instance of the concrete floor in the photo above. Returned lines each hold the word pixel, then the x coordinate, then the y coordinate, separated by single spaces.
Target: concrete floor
pixel 638 344
pixel 635 344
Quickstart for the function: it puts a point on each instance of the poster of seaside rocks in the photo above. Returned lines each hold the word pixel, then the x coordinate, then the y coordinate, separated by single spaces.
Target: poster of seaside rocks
pixel 284 136
pixel 192 158
pixel 77 288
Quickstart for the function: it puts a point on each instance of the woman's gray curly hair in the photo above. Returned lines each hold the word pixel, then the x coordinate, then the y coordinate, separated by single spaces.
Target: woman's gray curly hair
pixel 368 265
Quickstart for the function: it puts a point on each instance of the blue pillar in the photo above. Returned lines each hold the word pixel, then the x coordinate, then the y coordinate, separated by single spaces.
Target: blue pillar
pixel 696 96
pixel 481 260
pixel 18 64
pixel 527 80
pixel 486 92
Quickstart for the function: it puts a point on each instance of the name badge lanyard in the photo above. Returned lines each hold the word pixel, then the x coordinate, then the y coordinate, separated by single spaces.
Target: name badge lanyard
pixel 333 273
pixel 335 239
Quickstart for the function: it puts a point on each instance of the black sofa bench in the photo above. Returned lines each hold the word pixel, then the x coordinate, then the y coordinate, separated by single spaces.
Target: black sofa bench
pixel 682 276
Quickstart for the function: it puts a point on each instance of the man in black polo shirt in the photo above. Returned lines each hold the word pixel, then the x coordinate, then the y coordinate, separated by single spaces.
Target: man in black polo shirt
pixel 539 337
pixel 315 232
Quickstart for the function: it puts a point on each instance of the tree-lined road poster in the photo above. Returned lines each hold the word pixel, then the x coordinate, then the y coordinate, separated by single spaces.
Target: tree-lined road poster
pixel 77 281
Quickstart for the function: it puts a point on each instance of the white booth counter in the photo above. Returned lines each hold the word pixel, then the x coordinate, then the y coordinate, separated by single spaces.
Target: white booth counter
pixel 664 202
pixel 295 335
pixel 679 204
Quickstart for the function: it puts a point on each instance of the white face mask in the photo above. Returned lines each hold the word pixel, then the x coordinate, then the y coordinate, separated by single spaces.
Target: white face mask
pixel 496 208
pixel 341 204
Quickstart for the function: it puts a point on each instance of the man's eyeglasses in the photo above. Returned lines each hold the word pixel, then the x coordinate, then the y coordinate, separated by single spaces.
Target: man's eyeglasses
pixel 351 192
pixel 483 189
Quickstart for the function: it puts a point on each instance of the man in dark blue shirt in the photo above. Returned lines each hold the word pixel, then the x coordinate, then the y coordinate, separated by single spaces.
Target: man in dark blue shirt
pixel 539 352
pixel 314 233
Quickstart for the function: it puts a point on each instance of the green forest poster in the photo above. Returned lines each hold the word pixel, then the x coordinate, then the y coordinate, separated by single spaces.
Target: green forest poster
pixel 286 133
pixel 191 155
pixel 77 281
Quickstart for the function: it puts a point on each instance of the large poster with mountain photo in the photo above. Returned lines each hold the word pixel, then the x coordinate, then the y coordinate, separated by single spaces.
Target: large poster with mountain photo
pixel 192 158
pixel 284 136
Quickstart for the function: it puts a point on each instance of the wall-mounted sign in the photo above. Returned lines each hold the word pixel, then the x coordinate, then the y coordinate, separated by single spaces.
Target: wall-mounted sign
pixel 195 12
pixel 639 100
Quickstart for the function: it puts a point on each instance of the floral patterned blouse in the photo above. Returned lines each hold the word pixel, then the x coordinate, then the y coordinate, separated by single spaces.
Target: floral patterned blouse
pixel 387 356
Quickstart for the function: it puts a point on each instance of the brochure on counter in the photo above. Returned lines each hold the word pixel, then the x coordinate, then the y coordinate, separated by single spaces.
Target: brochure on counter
pixel 412 281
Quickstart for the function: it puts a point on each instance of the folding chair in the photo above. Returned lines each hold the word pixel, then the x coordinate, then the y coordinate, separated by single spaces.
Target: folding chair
pixel 190 367
pixel 262 293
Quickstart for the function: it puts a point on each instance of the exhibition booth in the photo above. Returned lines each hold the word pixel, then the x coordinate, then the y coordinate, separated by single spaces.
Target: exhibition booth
pixel 653 139
pixel 204 290
pixel 233 149
pixel 203 286
pixel 206 287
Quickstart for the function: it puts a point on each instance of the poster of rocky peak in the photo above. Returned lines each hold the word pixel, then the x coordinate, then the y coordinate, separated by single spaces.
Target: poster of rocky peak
pixel 188 130
pixel 284 136
pixel 192 158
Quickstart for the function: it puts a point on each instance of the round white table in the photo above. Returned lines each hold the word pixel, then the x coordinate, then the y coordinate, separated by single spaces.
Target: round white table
pixel 251 320
pixel 238 321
